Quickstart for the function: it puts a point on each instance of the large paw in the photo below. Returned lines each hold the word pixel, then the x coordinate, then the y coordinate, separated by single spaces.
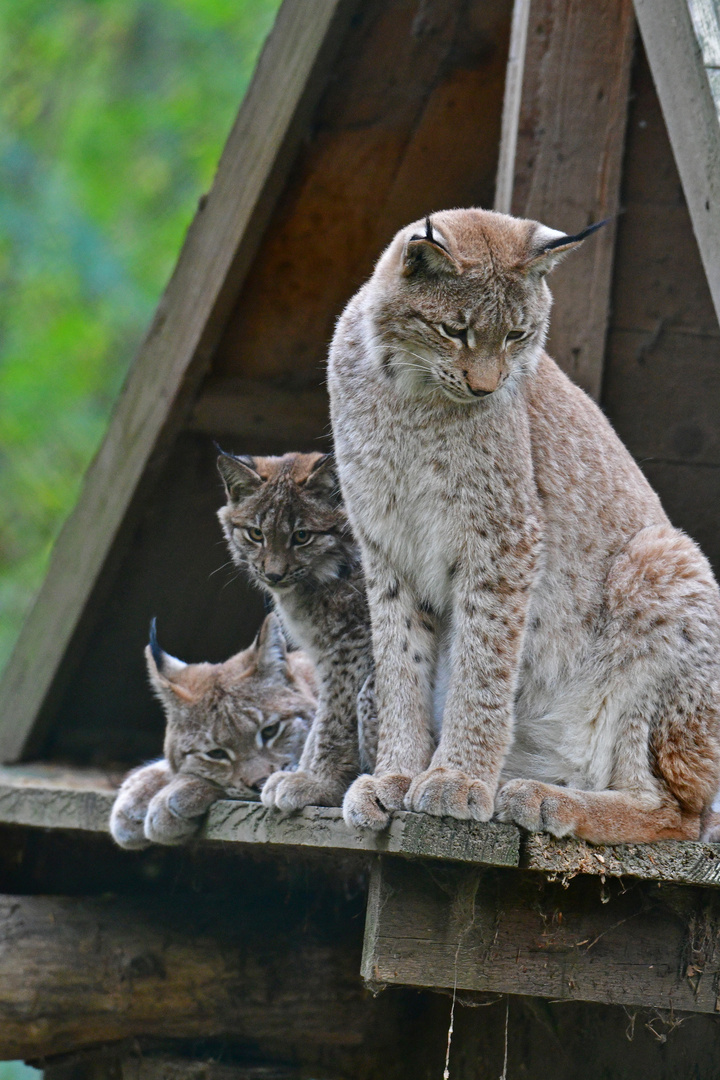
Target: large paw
pixel 294 790
pixel 130 807
pixel 370 800
pixel 175 813
pixel 710 830
pixel 445 792
pixel 536 807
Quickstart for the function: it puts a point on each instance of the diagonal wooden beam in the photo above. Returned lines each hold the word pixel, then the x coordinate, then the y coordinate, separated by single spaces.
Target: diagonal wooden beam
pixel 682 42
pixel 215 257
pixel 561 154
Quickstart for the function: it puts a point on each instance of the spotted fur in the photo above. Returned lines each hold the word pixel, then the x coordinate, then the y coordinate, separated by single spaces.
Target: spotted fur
pixel 286 526
pixel 229 726
pixel 522 576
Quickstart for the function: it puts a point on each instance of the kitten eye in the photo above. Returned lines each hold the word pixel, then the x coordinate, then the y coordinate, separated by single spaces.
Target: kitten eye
pixel 253 534
pixel 270 731
pixel 515 335
pixel 218 754
pixel 301 537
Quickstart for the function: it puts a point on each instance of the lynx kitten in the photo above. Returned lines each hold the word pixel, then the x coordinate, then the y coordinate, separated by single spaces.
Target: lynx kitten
pixel 286 525
pixel 229 726
pixel 506 530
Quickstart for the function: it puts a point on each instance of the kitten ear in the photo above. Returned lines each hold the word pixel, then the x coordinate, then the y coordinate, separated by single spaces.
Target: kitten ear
pixel 239 475
pixel 428 253
pixel 548 246
pixel 323 478
pixel 163 669
pixel 271 650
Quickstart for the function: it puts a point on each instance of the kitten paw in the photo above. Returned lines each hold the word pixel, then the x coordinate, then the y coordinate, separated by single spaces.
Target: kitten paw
pixel 130 807
pixel 293 791
pixel 536 807
pixel 445 792
pixel 370 800
pixel 175 813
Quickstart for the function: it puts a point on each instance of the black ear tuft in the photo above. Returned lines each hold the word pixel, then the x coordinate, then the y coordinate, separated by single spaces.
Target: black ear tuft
pixel 157 653
pixel 569 241
pixel 239 475
pixel 428 253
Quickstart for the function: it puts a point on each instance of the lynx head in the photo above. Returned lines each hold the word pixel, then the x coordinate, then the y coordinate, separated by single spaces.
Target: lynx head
pixel 235 723
pixel 459 301
pixel 284 520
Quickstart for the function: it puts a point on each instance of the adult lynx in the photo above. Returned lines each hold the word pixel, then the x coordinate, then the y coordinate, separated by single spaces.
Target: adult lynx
pixel 507 531
pixel 229 726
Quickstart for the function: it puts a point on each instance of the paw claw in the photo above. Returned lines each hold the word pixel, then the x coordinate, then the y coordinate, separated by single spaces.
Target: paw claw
pixel 370 800
pixel 444 792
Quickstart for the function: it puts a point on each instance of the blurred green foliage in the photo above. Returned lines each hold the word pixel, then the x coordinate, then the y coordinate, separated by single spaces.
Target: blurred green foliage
pixel 113 114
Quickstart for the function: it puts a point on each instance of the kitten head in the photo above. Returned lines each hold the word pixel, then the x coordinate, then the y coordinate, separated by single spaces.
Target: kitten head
pixel 236 723
pixel 284 520
pixel 460 303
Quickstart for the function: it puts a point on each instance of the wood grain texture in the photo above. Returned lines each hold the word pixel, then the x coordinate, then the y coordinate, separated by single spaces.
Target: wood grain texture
pixel 568 155
pixel 263 413
pixel 217 252
pixel 691 117
pixel 501 932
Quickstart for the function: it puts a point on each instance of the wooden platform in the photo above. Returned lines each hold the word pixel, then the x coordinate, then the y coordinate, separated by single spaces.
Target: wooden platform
pixel 54 797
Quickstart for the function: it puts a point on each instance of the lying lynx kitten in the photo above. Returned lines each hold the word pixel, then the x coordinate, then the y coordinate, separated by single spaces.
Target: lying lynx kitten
pixel 285 524
pixel 229 726
pixel 505 528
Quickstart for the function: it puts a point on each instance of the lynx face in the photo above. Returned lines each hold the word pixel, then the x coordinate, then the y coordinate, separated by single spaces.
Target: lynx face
pixel 464 302
pixel 236 723
pixel 284 520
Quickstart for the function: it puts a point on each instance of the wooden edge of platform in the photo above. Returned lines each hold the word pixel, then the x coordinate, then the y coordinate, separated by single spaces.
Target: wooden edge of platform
pixel 54 797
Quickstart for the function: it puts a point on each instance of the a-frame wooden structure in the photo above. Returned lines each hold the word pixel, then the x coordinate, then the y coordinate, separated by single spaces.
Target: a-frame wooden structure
pixel 361 117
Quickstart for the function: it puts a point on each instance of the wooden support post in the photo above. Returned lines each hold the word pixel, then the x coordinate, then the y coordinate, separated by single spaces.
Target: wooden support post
pixel 561 154
pixel 516 933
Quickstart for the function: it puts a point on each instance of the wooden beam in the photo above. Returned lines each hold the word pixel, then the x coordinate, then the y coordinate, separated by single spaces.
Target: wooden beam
pixel 561 154
pixel 191 315
pixel 260 412
pixel 486 930
pixel 685 90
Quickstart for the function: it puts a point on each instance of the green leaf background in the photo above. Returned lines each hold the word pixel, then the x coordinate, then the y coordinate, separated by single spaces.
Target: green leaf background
pixel 113 114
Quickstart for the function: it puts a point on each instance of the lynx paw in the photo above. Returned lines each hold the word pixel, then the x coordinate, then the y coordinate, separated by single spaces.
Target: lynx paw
pixel 710 833
pixel 175 813
pixel 445 792
pixel 130 806
pixel 370 799
pixel 536 807
pixel 293 791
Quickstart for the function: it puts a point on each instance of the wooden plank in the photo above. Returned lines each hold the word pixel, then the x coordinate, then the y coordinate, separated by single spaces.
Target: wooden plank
pixel 691 117
pixel 131 1063
pixel 261 412
pixel 569 136
pixel 215 257
pixel 704 14
pixel 486 930
pixel 79 971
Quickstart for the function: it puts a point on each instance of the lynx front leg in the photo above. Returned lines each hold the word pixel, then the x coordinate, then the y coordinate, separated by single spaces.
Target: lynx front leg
pixel 133 798
pixel 405 650
pixel 176 811
pixel 487 630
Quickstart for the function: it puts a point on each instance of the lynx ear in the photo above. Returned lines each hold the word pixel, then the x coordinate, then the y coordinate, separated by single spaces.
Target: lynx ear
pixel 239 476
pixel 428 254
pixel 271 650
pixel 322 478
pixel 163 669
pixel 548 246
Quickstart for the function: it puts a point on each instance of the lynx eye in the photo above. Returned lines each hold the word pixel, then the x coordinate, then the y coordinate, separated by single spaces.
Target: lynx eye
pixel 270 731
pixel 253 534
pixel 218 754
pixel 515 335
pixel 459 333
pixel 301 537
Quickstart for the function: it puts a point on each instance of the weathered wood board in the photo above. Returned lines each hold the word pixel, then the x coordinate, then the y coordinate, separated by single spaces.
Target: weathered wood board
pixel 561 157
pixel 483 930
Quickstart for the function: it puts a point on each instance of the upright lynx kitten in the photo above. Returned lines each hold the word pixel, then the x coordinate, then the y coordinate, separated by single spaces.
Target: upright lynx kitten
pixel 504 526
pixel 285 523
pixel 229 726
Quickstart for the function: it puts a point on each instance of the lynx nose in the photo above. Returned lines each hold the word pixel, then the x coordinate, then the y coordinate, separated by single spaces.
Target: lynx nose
pixel 274 578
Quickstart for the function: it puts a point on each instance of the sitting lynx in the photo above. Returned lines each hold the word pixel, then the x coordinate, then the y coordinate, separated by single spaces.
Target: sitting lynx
pixel 229 726
pixel 505 529
pixel 285 524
